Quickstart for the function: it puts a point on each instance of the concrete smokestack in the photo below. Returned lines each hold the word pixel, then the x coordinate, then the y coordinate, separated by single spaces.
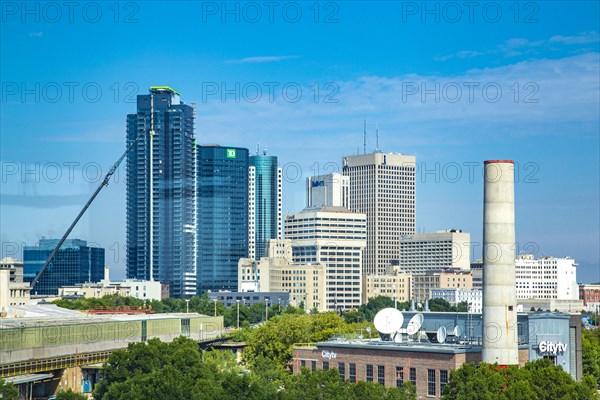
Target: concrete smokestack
pixel 500 332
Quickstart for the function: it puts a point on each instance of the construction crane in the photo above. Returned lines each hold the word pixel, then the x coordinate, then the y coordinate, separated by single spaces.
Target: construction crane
pixel 104 183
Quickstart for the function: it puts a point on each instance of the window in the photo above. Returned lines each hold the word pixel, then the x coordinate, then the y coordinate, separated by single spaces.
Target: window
pixel 413 376
pixel 443 380
pixel 313 366
pixel 381 374
pixel 352 373
pixel 399 376
pixel 185 327
pixel 325 365
pixel 342 369
pixel 431 382
pixel 303 363
pixel 369 373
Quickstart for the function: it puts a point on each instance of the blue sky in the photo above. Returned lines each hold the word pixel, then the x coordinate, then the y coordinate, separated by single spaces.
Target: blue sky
pixel 452 85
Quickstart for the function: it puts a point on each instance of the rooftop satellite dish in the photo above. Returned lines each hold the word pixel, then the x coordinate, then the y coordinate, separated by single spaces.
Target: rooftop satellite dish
pixel 388 320
pixel 457 331
pixel 398 337
pixel 415 324
pixel 441 334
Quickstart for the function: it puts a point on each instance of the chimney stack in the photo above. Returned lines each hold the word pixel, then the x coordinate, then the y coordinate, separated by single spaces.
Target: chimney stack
pixel 500 333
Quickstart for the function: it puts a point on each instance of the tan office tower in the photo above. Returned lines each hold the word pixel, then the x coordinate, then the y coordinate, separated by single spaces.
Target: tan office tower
pixel 383 187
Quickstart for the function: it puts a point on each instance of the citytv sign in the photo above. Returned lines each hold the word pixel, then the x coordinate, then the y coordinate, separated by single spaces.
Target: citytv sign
pixel 551 347
pixel 328 354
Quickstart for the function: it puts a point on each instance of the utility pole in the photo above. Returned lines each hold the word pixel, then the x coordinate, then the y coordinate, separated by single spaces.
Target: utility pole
pixel 238 313
pixel 266 310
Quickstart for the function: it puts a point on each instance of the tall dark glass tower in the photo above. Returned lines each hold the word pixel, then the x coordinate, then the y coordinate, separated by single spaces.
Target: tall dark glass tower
pixel 265 196
pixel 75 263
pixel 222 216
pixel 161 192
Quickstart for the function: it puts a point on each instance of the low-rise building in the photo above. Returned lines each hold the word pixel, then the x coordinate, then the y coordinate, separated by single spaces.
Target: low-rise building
pixel 140 289
pixel 249 298
pixel 394 284
pixel 589 293
pixel 422 284
pixel 454 296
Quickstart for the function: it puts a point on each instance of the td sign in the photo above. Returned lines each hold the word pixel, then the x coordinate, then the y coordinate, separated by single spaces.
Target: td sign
pixel 230 153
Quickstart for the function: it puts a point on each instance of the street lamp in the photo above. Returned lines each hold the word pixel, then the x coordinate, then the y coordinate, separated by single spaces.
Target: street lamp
pixel 238 313
pixel 266 310
pixel 215 300
pixel 187 306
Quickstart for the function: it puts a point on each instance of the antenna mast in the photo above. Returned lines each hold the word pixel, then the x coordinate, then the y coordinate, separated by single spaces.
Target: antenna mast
pixel 376 138
pixel 365 138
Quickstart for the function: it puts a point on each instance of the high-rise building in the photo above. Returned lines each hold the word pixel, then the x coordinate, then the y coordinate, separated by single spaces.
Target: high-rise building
pixel 265 203
pixel 328 190
pixel 383 187
pixel 161 192
pixel 336 237
pixel 222 216
pixel 74 263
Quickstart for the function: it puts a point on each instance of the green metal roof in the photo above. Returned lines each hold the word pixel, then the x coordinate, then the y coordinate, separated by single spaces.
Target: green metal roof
pixel 168 88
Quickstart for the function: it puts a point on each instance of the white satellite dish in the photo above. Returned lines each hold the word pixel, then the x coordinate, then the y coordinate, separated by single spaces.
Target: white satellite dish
pixel 457 331
pixel 398 337
pixel 388 320
pixel 441 334
pixel 415 324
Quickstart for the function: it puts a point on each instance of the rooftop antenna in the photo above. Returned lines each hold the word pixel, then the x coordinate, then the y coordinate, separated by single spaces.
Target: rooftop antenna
pixel 365 138
pixel 265 151
pixel 376 138
pixel 257 148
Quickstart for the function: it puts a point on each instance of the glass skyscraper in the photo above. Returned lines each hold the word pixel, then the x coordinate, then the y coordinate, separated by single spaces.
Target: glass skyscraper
pixel 75 263
pixel 265 208
pixel 222 216
pixel 161 192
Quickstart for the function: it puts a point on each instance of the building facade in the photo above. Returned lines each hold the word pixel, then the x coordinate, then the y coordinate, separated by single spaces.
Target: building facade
pixel 444 249
pixel 222 216
pixel 589 294
pixel 265 218
pixel 304 282
pixel 473 297
pixel 423 284
pixel 270 299
pixel 161 192
pixel 143 290
pixel 15 267
pixel 395 285
pixel 335 237
pixel 74 263
pixel 328 190
pixel 383 187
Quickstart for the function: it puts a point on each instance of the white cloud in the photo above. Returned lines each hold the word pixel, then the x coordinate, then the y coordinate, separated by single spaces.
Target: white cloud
pixel 261 59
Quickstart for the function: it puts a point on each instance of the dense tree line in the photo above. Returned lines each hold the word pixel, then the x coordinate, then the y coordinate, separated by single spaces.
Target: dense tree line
pixel 540 380
pixel 590 345
pixel 178 370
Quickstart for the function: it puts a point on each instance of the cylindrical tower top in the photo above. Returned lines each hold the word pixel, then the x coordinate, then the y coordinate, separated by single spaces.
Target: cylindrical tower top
pixel 499 162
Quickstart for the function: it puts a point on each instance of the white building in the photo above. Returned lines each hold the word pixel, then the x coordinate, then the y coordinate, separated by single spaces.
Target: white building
pixel 455 295
pixel 383 187
pixel 443 249
pixel 336 237
pixel 328 190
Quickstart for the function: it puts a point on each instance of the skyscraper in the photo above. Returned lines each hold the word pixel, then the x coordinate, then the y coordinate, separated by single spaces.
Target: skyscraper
pixel 383 187
pixel 265 207
pixel 161 192
pixel 328 190
pixel 222 216
pixel 75 263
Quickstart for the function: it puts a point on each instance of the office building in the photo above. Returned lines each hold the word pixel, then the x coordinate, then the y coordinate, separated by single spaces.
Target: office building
pixel 15 267
pixel 161 192
pixel 427 364
pixel 443 249
pixel 336 237
pixel 74 263
pixel 328 190
pixel 265 203
pixel 422 284
pixel 394 284
pixel 454 296
pixel 222 215
pixel 382 186
pixel 276 272
pixel 143 290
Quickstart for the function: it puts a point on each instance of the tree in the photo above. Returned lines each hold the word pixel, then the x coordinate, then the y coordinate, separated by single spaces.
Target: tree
pixel 590 346
pixel 8 390
pixel 70 395
pixel 539 379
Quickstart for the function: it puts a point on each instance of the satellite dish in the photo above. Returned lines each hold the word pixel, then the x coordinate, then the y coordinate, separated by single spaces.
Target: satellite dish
pixel 415 324
pixel 457 331
pixel 388 320
pixel 441 334
pixel 398 337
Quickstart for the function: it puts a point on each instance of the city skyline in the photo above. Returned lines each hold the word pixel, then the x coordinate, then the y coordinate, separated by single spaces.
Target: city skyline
pixel 548 123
